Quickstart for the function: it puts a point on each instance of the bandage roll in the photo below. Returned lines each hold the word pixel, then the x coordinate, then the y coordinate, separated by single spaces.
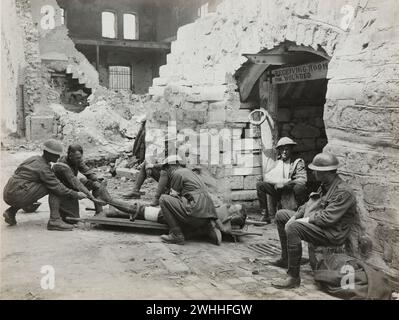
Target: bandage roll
pixel 151 214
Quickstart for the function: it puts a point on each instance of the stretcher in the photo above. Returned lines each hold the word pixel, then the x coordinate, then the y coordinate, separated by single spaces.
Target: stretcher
pixel 122 220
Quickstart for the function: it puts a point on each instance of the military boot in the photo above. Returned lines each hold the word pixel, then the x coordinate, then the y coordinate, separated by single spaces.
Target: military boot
pixel 174 237
pixel 9 216
pixel 58 225
pixel 293 280
pixel 55 223
pixel 213 233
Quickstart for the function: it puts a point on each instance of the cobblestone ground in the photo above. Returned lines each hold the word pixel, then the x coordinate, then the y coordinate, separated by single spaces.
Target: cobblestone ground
pixel 130 264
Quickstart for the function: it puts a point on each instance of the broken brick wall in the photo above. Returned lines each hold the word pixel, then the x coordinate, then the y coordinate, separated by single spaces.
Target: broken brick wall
pixel 33 74
pixel 361 112
pixel 12 65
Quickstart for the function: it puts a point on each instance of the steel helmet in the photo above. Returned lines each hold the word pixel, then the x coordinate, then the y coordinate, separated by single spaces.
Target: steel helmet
pixel 53 147
pixel 172 160
pixel 324 162
pixel 285 142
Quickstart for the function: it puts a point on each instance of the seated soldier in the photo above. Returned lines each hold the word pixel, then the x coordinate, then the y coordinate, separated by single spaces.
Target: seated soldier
pixel 288 175
pixel 66 170
pixel 189 204
pixel 325 220
pixel 33 180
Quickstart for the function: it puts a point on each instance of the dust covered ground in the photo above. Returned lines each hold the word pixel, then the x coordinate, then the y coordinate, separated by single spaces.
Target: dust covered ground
pixel 111 263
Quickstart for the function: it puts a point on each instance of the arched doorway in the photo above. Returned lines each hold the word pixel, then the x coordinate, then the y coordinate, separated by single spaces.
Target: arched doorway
pixel 290 83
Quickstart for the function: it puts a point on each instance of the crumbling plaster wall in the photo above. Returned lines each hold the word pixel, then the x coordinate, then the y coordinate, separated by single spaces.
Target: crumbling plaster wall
pixel 12 65
pixel 361 112
pixel 33 73
pixel 84 17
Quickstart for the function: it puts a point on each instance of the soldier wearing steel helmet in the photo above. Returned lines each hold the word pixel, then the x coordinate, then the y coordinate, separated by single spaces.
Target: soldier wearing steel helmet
pixel 325 220
pixel 188 206
pixel 155 171
pixel 33 180
pixel 293 178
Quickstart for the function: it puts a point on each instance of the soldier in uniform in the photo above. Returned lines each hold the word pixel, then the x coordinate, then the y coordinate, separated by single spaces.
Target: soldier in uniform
pixel 35 179
pixel 66 170
pixel 325 220
pixel 188 206
pixel 155 171
pixel 289 176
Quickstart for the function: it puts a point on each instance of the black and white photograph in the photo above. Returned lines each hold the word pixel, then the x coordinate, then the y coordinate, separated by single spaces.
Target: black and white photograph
pixel 200 156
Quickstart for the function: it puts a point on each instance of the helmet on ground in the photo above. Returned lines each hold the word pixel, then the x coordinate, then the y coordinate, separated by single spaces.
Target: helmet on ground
pixel 286 142
pixel 172 160
pixel 53 146
pixel 324 162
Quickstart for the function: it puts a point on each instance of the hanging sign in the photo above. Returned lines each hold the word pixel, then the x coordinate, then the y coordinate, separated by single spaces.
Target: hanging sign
pixel 305 72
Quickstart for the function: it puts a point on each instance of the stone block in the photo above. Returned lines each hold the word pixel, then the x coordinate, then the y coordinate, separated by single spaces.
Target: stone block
pixel 246 144
pixel 253 132
pixel 251 181
pixel 127 173
pixel 39 127
pixel 248 160
pixel 156 91
pixel 200 116
pixel 245 171
pixel 238 116
pixel 217 116
pixel 213 93
pixel 244 195
pixel 236 183
pixel 159 82
pixel 345 90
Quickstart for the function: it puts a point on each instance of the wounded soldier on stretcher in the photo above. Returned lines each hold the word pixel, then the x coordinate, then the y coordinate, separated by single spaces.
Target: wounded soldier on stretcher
pixel 188 209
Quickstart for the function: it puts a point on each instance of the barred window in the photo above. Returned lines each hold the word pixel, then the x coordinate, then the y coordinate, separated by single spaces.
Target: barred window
pixel 120 78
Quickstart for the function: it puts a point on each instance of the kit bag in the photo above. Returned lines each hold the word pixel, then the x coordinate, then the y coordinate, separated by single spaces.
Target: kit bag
pixel 346 277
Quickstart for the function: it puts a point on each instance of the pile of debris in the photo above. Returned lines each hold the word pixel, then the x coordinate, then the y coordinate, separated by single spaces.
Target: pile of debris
pixel 111 121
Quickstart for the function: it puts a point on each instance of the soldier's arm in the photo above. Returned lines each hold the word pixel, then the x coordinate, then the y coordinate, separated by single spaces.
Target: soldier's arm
pixel 67 174
pixel 300 175
pixel 300 212
pixel 87 171
pixel 48 178
pixel 340 203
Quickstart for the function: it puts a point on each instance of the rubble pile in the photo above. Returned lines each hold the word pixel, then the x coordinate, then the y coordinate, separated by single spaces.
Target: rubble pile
pixel 111 121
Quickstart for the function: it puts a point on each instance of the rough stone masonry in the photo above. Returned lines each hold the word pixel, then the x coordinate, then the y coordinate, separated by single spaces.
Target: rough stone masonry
pixel 197 89
pixel 361 113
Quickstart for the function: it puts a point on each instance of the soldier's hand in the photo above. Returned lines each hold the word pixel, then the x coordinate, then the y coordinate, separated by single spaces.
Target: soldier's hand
pixel 81 196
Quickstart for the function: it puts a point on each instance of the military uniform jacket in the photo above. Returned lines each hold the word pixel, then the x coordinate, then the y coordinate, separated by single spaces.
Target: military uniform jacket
pixel 36 170
pixel 332 210
pixel 193 193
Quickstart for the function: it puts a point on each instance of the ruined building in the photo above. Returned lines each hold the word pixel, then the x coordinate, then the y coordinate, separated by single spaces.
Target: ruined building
pixel 326 72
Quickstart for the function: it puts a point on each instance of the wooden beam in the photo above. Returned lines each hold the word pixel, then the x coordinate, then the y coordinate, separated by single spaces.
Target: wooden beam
pixel 140 224
pixel 295 48
pixel 97 57
pixel 135 44
pixel 279 59
pixel 249 78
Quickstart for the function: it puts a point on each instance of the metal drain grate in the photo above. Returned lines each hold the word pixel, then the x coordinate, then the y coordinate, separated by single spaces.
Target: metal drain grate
pixel 265 248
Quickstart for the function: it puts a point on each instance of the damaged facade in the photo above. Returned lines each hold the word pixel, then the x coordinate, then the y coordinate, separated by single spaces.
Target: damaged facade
pixel 206 88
